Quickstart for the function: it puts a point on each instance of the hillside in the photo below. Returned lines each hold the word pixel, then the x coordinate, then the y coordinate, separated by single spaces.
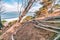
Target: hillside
pixel 43 25
pixel 18 29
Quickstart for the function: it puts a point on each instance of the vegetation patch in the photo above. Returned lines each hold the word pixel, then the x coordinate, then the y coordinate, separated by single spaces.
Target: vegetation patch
pixel 3 21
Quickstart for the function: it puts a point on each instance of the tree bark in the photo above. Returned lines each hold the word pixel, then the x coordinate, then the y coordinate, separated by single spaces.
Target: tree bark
pixel 30 3
pixel 16 26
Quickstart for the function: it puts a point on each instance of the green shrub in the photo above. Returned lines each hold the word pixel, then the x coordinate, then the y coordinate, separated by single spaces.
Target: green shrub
pixel 3 21
pixel 11 23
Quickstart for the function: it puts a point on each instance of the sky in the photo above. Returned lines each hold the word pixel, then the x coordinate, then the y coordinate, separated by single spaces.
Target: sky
pixel 12 6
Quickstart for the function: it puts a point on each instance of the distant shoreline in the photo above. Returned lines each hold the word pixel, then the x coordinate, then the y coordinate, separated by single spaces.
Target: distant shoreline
pixel 11 19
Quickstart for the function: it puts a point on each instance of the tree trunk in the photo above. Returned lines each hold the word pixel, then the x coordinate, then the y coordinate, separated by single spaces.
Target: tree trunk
pixel 16 26
pixel 0 23
pixel 0 16
pixel 30 3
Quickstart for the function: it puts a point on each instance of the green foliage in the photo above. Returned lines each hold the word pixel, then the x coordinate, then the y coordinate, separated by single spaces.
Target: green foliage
pixel 42 11
pixel 58 38
pixel 11 23
pixel 1 26
pixel 3 21
pixel 0 33
pixel 46 2
pixel 27 18
pixel 57 6
pixel 37 14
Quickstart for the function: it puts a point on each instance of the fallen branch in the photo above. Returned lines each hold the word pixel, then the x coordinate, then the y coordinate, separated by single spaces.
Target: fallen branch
pixel 51 21
pixel 46 29
pixel 54 27
pixel 16 26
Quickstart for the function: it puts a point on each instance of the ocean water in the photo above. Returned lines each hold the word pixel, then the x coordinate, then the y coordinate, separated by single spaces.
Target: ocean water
pixel 9 15
pixel 12 15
